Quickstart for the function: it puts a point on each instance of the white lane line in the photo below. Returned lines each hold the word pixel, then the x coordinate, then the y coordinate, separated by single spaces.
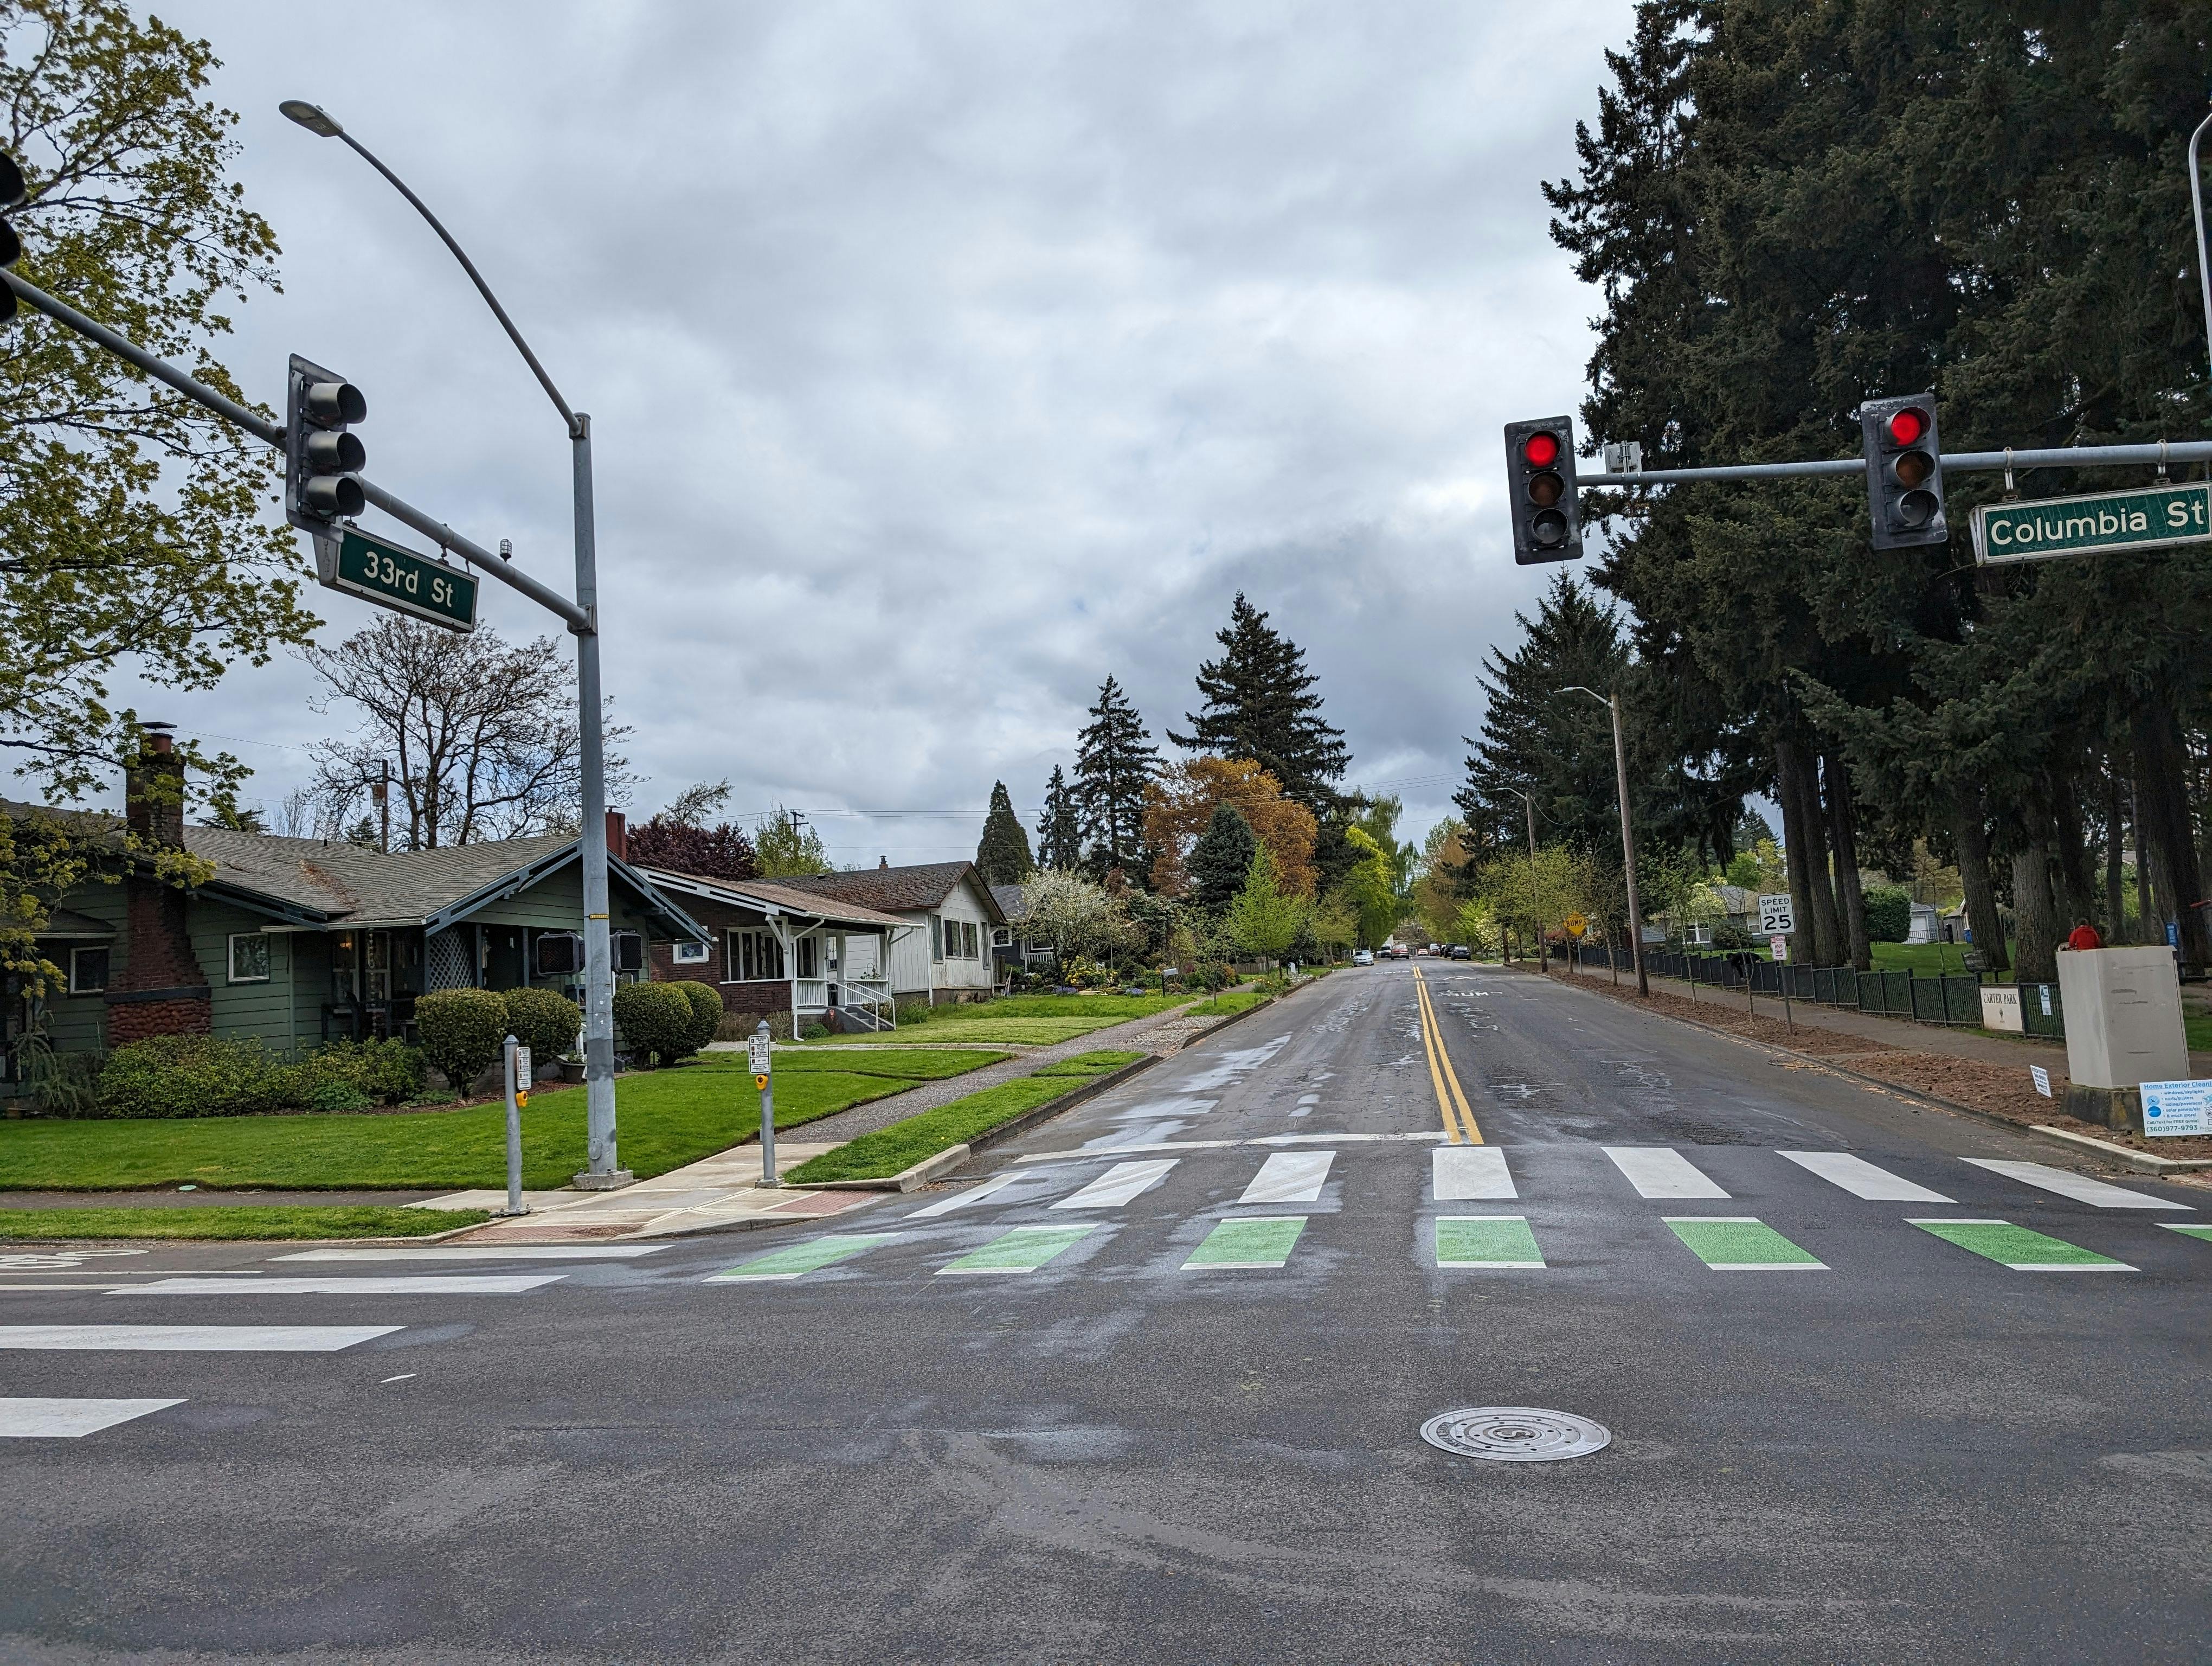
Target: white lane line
pixel 1469 1172
pixel 68 1420
pixel 1290 1177
pixel 193 1339
pixel 944 1206
pixel 447 1284
pixel 2079 1187
pixel 1862 1178
pixel 1116 1186
pixel 486 1252
pixel 1660 1171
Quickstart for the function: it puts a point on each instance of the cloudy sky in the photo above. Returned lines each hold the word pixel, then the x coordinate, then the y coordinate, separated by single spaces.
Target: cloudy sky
pixel 942 358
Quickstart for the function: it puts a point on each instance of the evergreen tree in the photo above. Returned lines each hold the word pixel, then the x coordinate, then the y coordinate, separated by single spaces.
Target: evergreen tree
pixel 1114 761
pixel 1059 829
pixel 1259 704
pixel 1221 859
pixel 1002 855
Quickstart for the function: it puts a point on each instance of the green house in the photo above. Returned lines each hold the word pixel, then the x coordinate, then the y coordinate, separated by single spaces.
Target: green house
pixel 301 941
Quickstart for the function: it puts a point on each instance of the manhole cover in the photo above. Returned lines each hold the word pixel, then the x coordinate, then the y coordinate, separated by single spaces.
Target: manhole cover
pixel 1515 1434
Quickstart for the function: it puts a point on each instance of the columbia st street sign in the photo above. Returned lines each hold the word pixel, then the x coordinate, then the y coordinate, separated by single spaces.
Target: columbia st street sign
pixel 397 579
pixel 2151 519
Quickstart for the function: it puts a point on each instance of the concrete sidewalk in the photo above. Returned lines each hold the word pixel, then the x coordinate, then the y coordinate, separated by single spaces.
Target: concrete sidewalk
pixel 1901 1033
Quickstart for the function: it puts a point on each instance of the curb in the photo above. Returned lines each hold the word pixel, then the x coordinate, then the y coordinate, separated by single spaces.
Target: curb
pixel 938 1163
pixel 2142 1162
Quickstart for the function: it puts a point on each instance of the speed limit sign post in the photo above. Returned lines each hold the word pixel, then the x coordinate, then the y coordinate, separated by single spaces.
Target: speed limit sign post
pixel 759 1054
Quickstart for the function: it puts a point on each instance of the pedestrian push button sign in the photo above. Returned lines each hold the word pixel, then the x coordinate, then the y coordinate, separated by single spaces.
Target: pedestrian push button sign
pixel 757 1055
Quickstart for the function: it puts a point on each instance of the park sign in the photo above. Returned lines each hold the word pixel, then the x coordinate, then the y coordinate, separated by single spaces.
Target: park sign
pixel 399 579
pixel 2152 519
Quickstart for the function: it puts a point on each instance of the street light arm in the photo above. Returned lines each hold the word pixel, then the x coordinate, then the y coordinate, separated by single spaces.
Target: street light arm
pixel 567 415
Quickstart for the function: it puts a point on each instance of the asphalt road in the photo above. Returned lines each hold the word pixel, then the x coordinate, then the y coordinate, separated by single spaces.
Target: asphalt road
pixel 1909 1452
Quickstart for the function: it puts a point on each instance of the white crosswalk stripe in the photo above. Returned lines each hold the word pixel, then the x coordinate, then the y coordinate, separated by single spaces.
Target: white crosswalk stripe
pixel 71 1419
pixel 1862 1178
pixel 1460 1172
pixel 2079 1187
pixel 452 1284
pixel 945 1206
pixel 1660 1171
pixel 1290 1177
pixel 1115 1188
pixel 193 1339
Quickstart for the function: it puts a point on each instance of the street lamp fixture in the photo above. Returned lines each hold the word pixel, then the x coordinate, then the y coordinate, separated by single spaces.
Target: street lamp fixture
pixel 1612 704
pixel 602 1171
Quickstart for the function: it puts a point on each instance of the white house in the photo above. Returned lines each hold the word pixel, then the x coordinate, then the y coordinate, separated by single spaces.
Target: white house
pixel 947 955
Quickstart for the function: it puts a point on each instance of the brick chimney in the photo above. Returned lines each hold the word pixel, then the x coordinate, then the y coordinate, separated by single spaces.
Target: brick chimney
pixel 160 989
pixel 617 836
pixel 882 861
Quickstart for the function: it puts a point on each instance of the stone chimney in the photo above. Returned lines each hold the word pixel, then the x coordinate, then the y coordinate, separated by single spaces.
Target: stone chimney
pixel 617 836
pixel 160 988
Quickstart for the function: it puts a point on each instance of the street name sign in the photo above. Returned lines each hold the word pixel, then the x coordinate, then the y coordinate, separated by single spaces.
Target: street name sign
pixel 1775 915
pixel 2177 1108
pixel 2152 519
pixel 397 579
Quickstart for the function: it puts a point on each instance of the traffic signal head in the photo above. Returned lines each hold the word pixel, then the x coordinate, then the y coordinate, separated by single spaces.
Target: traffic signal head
pixel 1540 490
pixel 321 458
pixel 1905 472
pixel 11 246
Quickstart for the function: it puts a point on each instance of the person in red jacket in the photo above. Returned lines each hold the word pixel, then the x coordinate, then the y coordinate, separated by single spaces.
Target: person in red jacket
pixel 2084 936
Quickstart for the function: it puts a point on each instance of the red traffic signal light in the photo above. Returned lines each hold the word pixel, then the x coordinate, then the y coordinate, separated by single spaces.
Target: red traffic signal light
pixel 1541 449
pixel 1905 472
pixel 1539 469
pixel 1908 425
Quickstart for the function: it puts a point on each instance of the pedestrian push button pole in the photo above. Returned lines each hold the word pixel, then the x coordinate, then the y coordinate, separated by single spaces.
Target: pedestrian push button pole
pixel 518 1073
pixel 765 1079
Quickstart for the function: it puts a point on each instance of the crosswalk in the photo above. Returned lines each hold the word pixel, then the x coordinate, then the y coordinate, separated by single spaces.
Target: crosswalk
pixel 1232 1238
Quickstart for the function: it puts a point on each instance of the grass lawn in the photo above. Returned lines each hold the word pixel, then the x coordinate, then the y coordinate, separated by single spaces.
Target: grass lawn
pixel 909 1064
pixel 664 1119
pixel 1925 959
pixel 891 1151
pixel 1236 1001
pixel 2198 1026
pixel 1033 1020
pixel 262 1222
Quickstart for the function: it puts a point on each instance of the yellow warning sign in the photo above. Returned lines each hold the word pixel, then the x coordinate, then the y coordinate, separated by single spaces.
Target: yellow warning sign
pixel 1576 925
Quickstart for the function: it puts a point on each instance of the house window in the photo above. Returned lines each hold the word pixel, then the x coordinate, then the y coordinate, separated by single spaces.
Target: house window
pixel 936 937
pixel 754 958
pixel 691 954
pixel 249 958
pixel 807 948
pixel 87 971
pixel 1002 937
pixel 963 941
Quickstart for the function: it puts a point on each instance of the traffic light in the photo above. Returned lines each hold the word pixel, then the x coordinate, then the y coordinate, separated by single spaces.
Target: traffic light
pixel 1539 487
pixel 1905 472
pixel 320 458
pixel 11 246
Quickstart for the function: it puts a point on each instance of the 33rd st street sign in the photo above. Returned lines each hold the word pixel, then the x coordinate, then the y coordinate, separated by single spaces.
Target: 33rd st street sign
pixel 399 579
pixel 2109 522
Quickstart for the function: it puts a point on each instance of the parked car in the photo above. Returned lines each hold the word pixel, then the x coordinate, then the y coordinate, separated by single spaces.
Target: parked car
pixel 1363 958
pixel 1461 951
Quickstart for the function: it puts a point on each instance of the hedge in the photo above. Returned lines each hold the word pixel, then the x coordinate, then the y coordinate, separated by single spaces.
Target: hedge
pixel 462 1031
pixel 544 1020
pixel 168 1076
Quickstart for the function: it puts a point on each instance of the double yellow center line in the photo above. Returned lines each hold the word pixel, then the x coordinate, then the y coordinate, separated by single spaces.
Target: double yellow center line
pixel 1463 1130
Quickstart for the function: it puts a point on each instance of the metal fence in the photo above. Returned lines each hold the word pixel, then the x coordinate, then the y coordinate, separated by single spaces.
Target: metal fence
pixel 1951 997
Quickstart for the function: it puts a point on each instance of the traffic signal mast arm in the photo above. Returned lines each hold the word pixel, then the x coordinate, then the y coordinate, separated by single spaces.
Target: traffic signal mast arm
pixel 578 619
pixel 1971 462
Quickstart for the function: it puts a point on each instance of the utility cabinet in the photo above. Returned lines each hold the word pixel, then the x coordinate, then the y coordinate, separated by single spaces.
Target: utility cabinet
pixel 2123 1028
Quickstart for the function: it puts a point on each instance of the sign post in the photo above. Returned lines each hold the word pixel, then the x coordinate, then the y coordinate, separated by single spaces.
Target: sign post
pixel 759 1056
pixel 518 1072
pixel 2154 518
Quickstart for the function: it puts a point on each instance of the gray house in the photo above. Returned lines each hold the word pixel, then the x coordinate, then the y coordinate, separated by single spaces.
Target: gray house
pixel 300 941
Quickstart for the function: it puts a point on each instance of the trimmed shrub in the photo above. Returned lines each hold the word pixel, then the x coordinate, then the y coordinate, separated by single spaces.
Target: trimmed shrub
pixel 705 1010
pixel 345 1075
pixel 195 1076
pixel 1888 913
pixel 462 1030
pixel 656 1022
pixel 544 1020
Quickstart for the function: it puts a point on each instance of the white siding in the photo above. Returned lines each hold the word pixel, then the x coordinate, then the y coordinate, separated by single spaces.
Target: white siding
pixel 965 905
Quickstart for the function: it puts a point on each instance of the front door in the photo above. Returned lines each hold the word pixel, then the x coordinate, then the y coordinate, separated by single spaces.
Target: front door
pixel 504 965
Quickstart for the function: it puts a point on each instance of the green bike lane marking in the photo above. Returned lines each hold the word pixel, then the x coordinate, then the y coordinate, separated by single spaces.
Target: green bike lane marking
pixel 2201 1234
pixel 2020 1247
pixel 1252 1241
pixel 1022 1250
pixel 797 1259
pixel 1486 1241
pixel 1741 1243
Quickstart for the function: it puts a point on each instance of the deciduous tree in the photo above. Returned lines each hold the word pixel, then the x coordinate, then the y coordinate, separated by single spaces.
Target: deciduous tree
pixel 1180 806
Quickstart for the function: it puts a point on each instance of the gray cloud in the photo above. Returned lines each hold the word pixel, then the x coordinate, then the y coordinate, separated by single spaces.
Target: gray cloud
pixel 941 358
